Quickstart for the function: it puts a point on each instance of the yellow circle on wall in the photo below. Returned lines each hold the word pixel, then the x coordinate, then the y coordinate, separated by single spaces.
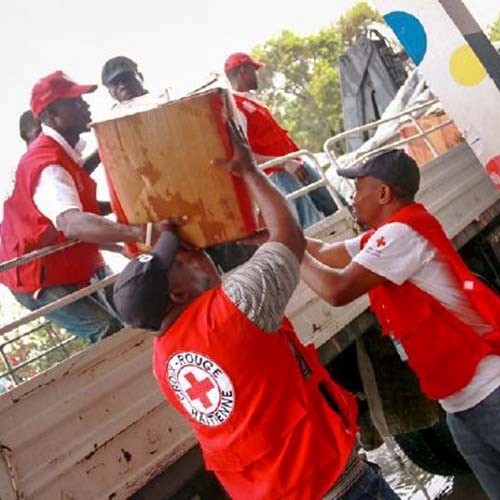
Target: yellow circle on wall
pixel 465 67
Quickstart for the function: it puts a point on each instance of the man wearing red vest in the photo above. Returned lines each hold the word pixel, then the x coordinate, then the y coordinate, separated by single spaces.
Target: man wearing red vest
pixel 269 140
pixel 30 128
pixel 443 320
pixel 54 199
pixel 269 420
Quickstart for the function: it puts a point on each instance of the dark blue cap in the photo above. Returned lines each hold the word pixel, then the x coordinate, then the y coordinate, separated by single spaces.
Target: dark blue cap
pixel 140 293
pixel 394 167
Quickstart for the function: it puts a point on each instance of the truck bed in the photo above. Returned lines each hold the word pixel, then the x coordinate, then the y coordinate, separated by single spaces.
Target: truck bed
pixel 96 426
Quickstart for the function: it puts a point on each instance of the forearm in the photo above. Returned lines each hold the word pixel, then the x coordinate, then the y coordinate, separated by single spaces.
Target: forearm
pixel 338 286
pixel 276 212
pixel 322 279
pixel 332 254
pixel 92 228
pixel 315 247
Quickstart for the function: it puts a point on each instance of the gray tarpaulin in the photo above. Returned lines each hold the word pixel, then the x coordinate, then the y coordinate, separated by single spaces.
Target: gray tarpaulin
pixel 370 76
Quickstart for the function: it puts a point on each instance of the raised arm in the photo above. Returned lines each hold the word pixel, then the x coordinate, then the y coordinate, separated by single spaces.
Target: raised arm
pixel 279 220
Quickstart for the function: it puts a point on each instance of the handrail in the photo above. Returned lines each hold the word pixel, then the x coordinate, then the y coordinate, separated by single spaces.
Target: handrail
pixel 329 143
pixel 323 181
pixel 36 254
pixel 381 121
pixel 406 140
pixel 83 292
pixel 57 304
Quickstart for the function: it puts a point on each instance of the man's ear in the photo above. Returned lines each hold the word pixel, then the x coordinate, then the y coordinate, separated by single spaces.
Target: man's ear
pixel 385 194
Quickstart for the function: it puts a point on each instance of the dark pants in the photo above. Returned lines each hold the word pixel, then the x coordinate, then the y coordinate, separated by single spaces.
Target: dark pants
pixel 477 434
pixel 370 486
pixel 321 197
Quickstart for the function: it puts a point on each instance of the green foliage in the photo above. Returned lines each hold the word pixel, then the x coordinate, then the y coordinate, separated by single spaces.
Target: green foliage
pixel 355 21
pixel 300 82
pixel 494 30
pixel 42 336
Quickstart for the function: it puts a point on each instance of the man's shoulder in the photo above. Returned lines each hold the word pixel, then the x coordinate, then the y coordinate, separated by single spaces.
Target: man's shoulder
pixel 43 151
pixel 394 239
pixel 247 102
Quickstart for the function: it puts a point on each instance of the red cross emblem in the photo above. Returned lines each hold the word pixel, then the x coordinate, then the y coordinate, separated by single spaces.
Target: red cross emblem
pixel 381 242
pixel 199 389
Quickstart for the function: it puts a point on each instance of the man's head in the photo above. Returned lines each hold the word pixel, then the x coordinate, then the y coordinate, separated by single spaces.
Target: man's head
pixel 163 283
pixel 121 77
pixel 56 100
pixel 241 71
pixel 383 184
pixel 29 127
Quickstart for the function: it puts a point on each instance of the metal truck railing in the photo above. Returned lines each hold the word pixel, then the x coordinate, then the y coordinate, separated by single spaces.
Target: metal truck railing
pixel 60 342
pixel 421 133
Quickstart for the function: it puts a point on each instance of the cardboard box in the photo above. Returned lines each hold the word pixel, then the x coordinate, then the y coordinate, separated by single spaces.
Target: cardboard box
pixel 157 161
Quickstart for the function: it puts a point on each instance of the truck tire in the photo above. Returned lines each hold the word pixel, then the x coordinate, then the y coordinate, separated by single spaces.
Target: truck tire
pixel 433 450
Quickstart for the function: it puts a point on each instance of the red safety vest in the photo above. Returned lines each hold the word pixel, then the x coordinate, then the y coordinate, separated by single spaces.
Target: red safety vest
pixel 265 135
pixel 264 429
pixel 442 350
pixel 25 229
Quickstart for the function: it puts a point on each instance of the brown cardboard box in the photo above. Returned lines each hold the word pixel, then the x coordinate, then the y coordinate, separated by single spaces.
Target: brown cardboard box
pixel 442 139
pixel 157 161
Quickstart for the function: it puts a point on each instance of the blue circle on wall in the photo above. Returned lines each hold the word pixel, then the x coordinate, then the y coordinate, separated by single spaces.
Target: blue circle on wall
pixel 410 32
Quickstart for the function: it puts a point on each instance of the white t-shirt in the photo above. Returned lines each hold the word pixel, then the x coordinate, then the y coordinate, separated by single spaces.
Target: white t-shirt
pixel 398 253
pixel 56 191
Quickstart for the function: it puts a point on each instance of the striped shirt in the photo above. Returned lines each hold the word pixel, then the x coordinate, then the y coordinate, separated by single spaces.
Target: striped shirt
pixel 262 287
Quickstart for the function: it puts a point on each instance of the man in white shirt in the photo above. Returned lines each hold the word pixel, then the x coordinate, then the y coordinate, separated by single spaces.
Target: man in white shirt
pixel 53 201
pixel 30 128
pixel 442 319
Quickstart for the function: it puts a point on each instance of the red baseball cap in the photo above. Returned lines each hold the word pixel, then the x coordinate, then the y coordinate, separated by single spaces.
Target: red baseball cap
pixel 55 86
pixel 238 59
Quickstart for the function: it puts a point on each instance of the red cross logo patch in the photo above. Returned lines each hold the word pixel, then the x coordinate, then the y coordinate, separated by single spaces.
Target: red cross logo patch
pixel 380 242
pixel 202 386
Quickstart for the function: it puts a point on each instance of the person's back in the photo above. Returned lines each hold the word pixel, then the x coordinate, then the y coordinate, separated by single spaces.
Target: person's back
pixel 255 406
pixel 269 420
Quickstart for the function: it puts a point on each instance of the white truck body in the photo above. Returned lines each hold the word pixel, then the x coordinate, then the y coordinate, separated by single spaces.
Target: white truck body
pixel 96 426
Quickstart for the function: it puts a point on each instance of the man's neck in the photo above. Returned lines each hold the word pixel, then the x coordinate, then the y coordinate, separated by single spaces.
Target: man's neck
pixel 70 136
pixel 239 87
pixel 389 211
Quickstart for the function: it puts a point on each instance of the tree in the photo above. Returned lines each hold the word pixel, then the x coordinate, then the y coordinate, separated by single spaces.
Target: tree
pixel 300 82
pixel 355 21
pixel 494 30
pixel 33 344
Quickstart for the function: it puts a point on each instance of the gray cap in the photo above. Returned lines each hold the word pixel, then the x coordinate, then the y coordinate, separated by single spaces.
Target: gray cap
pixel 394 167
pixel 140 293
pixel 117 66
